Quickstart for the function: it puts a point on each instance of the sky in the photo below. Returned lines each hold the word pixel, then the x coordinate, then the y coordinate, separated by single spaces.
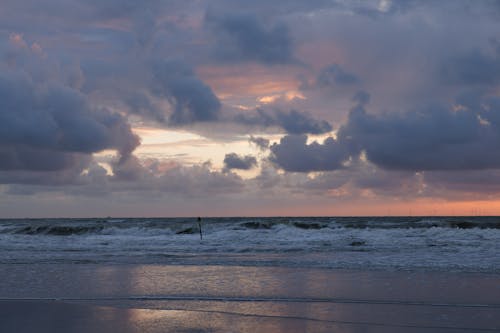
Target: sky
pixel 249 108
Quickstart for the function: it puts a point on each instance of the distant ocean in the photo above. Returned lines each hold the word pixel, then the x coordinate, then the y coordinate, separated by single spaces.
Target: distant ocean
pixel 466 244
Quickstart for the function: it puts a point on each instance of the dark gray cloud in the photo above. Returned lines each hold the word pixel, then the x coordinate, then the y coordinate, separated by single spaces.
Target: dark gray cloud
pixel 262 143
pixel 293 153
pixel 129 170
pixel 243 37
pixel 22 157
pixel 474 68
pixel 141 104
pixel 38 167
pixel 432 138
pixel 160 177
pixel 191 99
pixel 138 179
pixel 293 122
pixel 361 98
pixel 235 161
pixel 47 127
pixel 335 75
pixel 327 181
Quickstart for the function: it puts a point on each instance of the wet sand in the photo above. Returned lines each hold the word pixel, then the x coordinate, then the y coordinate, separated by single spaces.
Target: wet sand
pixel 149 298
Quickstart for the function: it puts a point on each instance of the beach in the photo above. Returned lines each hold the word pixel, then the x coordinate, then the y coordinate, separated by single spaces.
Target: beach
pixel 359 274
pixel 197 298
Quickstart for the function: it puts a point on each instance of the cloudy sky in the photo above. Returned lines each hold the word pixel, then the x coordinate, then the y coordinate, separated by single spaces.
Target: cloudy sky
pixel 223 107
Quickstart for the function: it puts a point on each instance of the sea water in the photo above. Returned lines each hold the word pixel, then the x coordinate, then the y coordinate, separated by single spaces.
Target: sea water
pixel 466 244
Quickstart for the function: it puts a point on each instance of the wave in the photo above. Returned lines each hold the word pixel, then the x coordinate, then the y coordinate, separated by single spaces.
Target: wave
pixel 58 230
pixel 145 227
pixel 468 244
pixel 420 223
pixel 378 223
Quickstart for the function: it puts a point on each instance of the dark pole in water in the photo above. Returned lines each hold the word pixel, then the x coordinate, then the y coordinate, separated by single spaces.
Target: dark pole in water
pixel 199 227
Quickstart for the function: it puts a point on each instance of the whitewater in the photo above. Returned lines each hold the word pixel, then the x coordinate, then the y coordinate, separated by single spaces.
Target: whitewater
pixel 464 244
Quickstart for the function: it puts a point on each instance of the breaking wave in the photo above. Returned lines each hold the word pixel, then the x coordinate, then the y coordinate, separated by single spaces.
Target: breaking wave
pixel 463 243
pixel 68 227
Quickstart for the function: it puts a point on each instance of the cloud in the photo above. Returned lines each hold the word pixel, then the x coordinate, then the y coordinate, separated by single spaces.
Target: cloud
pixel 72 65
pixel 164 176
pixel 191 99
pixel 199 180
pixel 472 68
pixel 45 128
pixel 234 161
pixel 335 75
pixel 261 143
pixel 48 128
pixel 293 153
pixel 139 179
pixel 361 98
pixel 21 157
pixel 158 176
pixel 327 181
pixel 430 138
pixel 243 37
pixel 141 104
pixel 24 165
pixel 377 9
pixel 263 7
pixel 446 183
pixel 390 183
pixel 141 15
pixel 130 169
pixel 463 137
pixel 293 121
pixel 123 8
pixel 371 9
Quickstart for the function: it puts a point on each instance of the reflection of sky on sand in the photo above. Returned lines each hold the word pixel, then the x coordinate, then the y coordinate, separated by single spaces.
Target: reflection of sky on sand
pixel 41 317
pixel 244 299
pixel 97 281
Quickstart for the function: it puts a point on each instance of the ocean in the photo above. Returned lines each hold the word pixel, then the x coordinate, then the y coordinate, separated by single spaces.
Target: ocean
pixel 462 244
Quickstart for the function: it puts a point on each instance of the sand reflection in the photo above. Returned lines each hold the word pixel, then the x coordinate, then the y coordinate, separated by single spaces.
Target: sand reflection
pixel 215 321
pixel 149 298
